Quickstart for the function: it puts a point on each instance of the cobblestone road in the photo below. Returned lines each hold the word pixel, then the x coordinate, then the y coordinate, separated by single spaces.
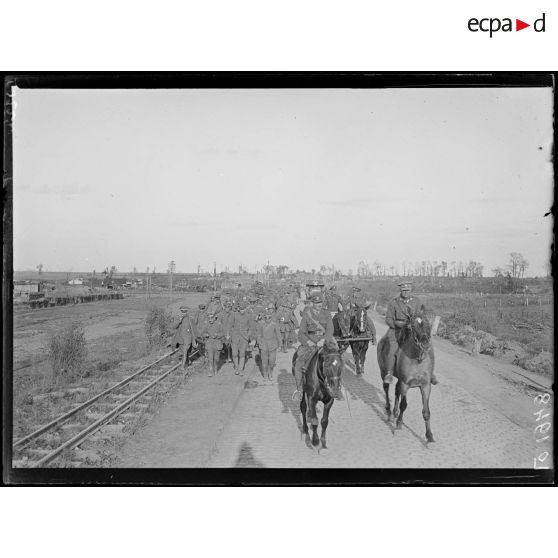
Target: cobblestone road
pixel 479 419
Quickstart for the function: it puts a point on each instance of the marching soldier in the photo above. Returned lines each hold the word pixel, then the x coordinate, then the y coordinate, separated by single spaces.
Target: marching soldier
pixel 226 319
pixel 398 314
pixel 185 335
pixel 240 332
pixel 316 329
pixel 200 319
pixel 215 306
pixel 268 338
pixel 213 334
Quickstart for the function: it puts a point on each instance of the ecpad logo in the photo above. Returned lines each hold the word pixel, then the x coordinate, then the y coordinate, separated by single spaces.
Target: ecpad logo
pixel 492 25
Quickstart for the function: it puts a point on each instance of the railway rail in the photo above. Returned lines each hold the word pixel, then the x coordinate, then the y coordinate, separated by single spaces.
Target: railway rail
pixel 35 449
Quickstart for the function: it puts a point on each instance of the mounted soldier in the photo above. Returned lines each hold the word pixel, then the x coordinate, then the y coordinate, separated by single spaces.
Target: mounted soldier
pixel 398 317
pixel 350 300
pixel 332 300
pixel 316 330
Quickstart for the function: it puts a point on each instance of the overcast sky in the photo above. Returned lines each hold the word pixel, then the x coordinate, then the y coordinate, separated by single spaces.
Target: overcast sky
pixel 298 177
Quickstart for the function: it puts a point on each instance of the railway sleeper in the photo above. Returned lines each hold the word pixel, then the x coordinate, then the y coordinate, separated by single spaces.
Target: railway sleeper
pixel 38 451
pixel 71 426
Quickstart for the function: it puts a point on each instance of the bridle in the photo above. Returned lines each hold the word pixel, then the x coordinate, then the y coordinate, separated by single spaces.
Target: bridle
pixel 422 346
pixel 360 325
pixel 333 378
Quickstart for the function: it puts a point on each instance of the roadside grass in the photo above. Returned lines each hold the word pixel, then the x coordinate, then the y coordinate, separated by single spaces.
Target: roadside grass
pixel 517 328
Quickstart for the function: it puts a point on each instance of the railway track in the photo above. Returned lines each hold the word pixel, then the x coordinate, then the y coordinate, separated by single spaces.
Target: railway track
pixel 49 442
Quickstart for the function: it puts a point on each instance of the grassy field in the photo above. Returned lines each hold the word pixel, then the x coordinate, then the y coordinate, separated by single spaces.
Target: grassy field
pixel 518 328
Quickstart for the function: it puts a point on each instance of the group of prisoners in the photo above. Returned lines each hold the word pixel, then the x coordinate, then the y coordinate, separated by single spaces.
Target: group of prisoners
pixel 234 322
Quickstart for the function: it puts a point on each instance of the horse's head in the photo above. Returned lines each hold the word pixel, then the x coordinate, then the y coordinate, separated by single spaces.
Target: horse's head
pixel 332 368
pixel 420 330
pixel 359 319
pixel 343 321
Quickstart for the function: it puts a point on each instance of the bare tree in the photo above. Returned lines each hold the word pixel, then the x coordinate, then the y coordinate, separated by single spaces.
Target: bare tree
pixel 518 264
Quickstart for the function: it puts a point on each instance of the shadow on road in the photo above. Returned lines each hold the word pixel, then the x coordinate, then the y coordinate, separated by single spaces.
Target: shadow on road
pixel 359 388
pixel 285 388
pixel 246 458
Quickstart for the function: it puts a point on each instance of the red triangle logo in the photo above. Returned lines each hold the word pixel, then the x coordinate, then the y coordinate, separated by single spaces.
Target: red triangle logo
pixel 519 25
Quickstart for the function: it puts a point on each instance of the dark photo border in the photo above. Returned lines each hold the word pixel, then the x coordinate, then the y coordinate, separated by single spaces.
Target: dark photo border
pixel 247 477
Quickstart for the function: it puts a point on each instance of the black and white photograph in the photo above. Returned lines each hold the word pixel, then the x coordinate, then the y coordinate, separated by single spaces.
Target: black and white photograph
pixel 280 274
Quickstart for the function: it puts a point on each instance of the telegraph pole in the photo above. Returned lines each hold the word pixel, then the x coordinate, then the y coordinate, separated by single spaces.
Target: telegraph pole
pixel 214 277
pixel 171 270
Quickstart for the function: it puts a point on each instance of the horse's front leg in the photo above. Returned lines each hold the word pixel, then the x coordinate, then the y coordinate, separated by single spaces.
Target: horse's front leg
pixel 396 399
pixel 303 408
pixel 425 392
pixel 325 421
pixel 313 421
pixel 403 391
pixel 388 404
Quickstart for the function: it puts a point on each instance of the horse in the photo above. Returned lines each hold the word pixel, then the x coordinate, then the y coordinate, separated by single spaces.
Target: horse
pixel 414 365
pixel 322 382
pixel 342 328
pixel 360 328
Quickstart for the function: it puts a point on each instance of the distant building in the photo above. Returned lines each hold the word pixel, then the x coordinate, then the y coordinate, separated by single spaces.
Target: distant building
pixel 26 287
pixel 76 282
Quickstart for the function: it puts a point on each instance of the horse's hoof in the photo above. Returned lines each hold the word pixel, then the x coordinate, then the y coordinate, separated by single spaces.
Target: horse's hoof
pixel 430 440
pixel 398 426
pixel 323 451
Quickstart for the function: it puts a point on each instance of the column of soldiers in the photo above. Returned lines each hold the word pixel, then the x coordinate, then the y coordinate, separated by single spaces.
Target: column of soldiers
pixel 243 321
pixel 237 324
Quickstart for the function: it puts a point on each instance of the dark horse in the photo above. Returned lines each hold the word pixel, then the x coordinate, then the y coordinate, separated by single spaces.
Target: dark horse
pixel 342 328
pixel 361 327
pixel 414 365
pixel 322 383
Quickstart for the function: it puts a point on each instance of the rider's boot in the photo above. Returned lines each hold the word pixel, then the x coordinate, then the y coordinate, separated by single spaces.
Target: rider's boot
pixel 297 395
pixel 433 378
pixel 389 378
pixel 241 366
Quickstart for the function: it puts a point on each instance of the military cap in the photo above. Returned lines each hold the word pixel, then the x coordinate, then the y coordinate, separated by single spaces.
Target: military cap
pixel 202 305
pixel 316 298
pixel 404 284
pixel 184 308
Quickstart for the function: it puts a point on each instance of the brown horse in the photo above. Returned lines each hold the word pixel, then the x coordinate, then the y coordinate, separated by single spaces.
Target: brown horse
pixel 322 382
pixel 414 366
pixel 361 326
pixel 342 328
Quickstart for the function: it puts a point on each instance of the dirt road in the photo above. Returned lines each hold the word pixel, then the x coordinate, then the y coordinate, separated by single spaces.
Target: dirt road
pixel 482 417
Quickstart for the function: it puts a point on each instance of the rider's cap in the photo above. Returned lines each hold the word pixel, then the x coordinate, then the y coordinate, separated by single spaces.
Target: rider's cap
pixel 316 298
pixel 405 284
pixel 183 308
